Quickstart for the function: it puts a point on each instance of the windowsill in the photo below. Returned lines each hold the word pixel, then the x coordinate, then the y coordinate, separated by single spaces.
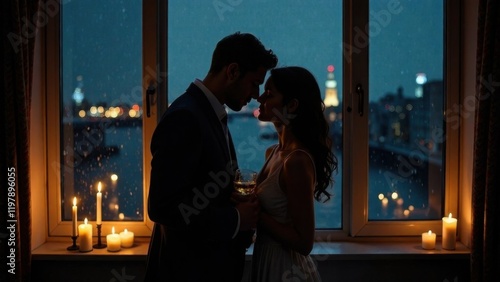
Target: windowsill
pixel 57 251
pixel 384 250
pixel 321 251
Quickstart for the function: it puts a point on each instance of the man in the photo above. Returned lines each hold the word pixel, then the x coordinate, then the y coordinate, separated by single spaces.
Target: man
pixel 199 233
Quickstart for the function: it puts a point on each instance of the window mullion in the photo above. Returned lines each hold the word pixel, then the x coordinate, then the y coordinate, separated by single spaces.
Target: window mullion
pixel 356 62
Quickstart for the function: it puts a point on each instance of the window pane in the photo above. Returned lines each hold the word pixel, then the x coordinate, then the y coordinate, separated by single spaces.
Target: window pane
pixel 101 116
pixel 298 32
pixel 406 125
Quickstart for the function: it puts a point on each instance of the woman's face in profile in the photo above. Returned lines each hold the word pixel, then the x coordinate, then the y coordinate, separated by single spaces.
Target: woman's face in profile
pixel 271 103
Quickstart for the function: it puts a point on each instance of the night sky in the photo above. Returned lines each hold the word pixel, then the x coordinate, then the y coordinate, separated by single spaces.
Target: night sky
pixel 102 41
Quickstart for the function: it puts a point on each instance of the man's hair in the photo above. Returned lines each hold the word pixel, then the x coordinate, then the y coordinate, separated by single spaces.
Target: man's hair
pixel 245 50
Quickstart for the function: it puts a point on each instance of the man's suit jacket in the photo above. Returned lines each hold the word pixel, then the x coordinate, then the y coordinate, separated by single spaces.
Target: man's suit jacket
pixel 189 196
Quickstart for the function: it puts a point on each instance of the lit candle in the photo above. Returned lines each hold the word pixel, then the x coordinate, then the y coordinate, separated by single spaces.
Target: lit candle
pixel 99 204
pixel 127 238
pixel 113 241
pixel 74 217
pixel 428 240
pixel 449 232
pixel 85 234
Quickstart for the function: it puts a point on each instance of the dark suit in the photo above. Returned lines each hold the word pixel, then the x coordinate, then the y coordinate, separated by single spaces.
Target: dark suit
pixel 189 197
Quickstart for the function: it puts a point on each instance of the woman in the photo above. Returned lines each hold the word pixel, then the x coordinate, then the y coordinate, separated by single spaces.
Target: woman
pixel 297 170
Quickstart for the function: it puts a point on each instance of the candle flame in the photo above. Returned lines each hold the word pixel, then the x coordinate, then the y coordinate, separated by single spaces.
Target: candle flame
pixel 430 232
pixel 74 201
pixel 99 187
pixel 85 221
pixel 449 216
pixel 113 230
pixel 125 231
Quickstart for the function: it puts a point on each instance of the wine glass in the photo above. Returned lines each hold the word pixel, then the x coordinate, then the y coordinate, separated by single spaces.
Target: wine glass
pixel 245 181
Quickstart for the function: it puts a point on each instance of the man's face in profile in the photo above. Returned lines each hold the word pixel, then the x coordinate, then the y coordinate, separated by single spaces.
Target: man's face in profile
pixel 242 89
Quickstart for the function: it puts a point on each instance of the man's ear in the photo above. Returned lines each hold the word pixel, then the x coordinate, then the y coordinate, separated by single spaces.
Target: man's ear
pixel 233 71
pixel 292 105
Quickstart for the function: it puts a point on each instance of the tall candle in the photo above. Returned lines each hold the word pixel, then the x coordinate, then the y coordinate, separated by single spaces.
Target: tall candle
pixel 74 218
pixel 428 240
pixel 99 204
pixel 113 241
pixel 127 238
pixel 85 235
pixel 449 232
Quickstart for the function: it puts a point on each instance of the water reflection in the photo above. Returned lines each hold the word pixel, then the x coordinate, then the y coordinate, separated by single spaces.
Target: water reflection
pixel 107 150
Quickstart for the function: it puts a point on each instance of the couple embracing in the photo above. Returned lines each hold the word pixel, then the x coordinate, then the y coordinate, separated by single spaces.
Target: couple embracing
pixel 202 229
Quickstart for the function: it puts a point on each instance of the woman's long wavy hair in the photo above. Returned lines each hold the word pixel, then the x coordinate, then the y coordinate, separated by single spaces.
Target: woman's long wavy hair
pixel 308 123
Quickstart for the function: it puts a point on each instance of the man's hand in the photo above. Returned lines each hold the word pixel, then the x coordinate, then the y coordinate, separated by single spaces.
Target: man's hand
pixel 249 213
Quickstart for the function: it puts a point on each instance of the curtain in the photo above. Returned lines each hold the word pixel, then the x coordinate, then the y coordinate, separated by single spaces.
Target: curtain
pixel 485 244
pixel 19 21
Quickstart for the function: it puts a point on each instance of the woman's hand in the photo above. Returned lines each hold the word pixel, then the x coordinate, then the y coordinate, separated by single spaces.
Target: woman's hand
pixel 238 198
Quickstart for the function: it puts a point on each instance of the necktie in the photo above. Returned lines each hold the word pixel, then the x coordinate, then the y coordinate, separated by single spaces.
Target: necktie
pixel 224 121
pixel 226 134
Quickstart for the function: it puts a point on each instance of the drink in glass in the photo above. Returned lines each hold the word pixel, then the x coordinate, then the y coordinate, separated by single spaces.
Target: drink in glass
pixel 245 181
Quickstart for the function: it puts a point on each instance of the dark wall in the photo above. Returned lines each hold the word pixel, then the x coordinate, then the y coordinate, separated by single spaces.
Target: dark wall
pixel 396 269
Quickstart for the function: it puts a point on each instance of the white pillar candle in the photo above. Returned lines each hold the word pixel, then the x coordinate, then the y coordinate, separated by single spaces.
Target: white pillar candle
pixel 428 240
pixel 74 218
pixel 449 232
pixel 85 234
pixel 127 238
pixel 99 204
pixel 113 241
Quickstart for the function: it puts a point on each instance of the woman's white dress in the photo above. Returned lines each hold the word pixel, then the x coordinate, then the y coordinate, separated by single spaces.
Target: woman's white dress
pixel 271 260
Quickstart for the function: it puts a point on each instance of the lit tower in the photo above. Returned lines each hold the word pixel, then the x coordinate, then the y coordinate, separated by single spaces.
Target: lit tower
pixel 331 98
pixel 420 80
pixel 78 94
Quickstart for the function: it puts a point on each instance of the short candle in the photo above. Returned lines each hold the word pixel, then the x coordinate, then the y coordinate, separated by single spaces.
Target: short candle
pixel 449 232
pixel 85 233
pixel 113 241
pixel 127 238
pixel 428 240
